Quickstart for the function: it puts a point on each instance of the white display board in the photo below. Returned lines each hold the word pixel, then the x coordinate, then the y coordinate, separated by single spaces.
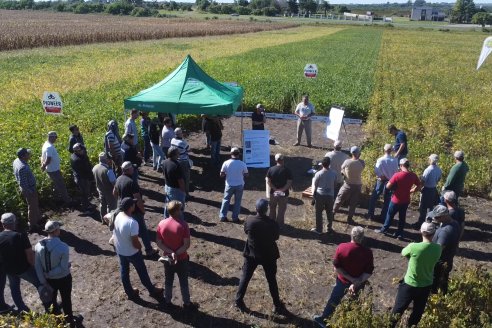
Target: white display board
pixel 52 103
pixel 256 148
pixel 334 123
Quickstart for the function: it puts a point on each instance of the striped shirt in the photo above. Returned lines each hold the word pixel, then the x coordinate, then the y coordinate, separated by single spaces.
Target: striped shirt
pixel 24 176
pixel 183 148
pixel 112 145
pixel 431 176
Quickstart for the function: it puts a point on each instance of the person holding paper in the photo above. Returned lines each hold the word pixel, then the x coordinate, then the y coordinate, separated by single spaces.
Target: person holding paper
pixel 304 111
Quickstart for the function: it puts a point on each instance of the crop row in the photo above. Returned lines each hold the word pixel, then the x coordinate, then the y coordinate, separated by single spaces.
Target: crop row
pixel 427 84
pixel 26 29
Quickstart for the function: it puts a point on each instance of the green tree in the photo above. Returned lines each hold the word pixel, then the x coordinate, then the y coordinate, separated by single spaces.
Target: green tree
pixel 326 6
pixel 463 11
pixel 202 4
pixel 308 6
pixel 293 6
pixel 482 18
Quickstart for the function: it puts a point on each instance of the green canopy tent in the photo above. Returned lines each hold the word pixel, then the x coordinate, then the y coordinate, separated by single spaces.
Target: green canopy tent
pixel 188 90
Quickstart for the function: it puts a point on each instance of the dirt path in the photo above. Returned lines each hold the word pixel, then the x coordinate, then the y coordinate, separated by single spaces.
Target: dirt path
pixel 305 275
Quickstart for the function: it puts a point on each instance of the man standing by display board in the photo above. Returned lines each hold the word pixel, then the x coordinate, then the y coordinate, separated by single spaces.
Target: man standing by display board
pixel 304 111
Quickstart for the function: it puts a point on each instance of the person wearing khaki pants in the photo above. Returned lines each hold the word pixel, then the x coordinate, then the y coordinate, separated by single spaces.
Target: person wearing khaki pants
pixel 279 180
pixel 27 184
pixel 304 111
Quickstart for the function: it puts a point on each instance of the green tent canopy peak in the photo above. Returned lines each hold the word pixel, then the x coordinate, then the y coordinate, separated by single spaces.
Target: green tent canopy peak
pixel 188 90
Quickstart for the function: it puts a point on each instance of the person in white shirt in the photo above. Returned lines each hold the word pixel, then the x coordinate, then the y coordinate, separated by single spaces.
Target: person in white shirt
pixel 167 135
pixel 50 162
pixel 384 169
pixel 184 158
pixel 337 157
pixel 131 126
pixel 234 170
pixel 304 111
pixel 128 248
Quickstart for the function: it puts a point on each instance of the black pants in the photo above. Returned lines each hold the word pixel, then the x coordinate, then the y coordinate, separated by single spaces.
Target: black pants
pixel 64 286
pixel 407 294
pixel 270 268
pixel 441 276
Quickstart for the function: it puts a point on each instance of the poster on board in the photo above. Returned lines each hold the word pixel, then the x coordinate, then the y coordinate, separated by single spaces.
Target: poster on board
pixel 256 151
pixel 52 103
pixel 334 123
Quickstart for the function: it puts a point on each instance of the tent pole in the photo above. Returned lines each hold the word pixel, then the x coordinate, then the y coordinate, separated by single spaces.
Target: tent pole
pixel 242 113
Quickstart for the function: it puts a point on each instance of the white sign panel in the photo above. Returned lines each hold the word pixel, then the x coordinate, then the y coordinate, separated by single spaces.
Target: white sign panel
pixel 256 150
pixel 486 50
pixel 335 123
pixel 52 103
pixel 311 71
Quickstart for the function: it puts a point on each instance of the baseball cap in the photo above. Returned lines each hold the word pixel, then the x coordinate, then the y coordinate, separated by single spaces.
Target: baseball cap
pixel 428 228
pixel 450 196
pixel 404 161
pixel 8 218
pixel 355 150
pixel 126 203
pixel 52 134
pixel 337 143
pixel 21 152
pixel 103 157
pixel 178 131
pixel 235 150
pixel 78 146
pixel 51 226
pixel 434 158
pixel 259 106
pixel 262 205
pixel 126 165
pixel 387 147
pixel 459 154
pixel 439 210
pixel 279 156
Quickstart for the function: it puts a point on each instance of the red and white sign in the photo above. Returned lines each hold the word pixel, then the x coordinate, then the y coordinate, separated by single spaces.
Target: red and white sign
pixel 311 71
pixel 52 103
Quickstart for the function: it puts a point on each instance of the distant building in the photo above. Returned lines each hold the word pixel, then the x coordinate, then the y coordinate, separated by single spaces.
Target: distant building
pixel 427 14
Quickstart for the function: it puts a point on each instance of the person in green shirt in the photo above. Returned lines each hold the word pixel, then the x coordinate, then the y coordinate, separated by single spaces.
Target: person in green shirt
pixel 456 177
pixel 416 286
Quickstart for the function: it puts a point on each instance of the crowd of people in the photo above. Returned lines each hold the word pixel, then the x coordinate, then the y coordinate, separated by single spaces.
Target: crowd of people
pixel 337 183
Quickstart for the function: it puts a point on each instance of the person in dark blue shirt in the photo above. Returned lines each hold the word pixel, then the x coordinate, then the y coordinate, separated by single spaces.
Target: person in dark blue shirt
pixel 401 145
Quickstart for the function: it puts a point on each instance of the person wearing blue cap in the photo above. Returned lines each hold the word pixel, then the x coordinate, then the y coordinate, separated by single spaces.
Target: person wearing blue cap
pixel 261 249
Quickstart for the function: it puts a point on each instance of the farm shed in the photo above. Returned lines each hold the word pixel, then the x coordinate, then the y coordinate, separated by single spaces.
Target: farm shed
pixel 427 14
pixel 188 90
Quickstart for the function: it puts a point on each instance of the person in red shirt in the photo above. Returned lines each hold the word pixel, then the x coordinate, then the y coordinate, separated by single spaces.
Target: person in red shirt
pixel 354 264
pixel 173 238
pixel 402 183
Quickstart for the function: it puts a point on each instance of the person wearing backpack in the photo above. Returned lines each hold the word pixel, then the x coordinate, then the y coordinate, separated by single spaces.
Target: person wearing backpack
pixel 51 261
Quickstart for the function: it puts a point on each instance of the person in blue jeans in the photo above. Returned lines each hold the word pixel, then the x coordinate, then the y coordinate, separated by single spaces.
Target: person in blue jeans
pixel 128 248
pixel 18 263
pixel 233 170
pixel 4 307
pixel 401 143
pixel 386 166
pixel 354 264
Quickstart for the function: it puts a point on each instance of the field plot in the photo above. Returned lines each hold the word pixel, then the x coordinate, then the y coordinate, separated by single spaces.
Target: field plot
pixel 31 29
pixel 427 84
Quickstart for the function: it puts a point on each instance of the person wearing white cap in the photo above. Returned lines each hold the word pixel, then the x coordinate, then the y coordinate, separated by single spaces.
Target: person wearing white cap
pixel 258 118
pixel 429 197
pixel 402 183
pixel 18 262
pixel 50 162
pixel 82 175
pixel 350 191
pixel 416 286
pixel 448 236
pixel 337 157
pixel 52 265
pixel 384 169
pixel 456 177
pixel 27 184
pixel 233 170
pixel 105 180
pixel 184 158
pixel 167 135
pixel 279 179
pixel 304 111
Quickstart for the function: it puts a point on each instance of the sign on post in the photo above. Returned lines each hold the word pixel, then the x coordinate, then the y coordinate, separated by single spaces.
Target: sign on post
pixel 52 103
pixel 256 151
pixel 311 71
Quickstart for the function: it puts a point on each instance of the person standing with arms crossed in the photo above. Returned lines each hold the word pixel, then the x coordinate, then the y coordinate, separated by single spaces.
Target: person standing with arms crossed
pixel 304 111
pixel 279 178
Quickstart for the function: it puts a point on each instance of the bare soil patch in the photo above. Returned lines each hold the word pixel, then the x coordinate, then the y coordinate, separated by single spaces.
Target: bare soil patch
pixel 305 274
